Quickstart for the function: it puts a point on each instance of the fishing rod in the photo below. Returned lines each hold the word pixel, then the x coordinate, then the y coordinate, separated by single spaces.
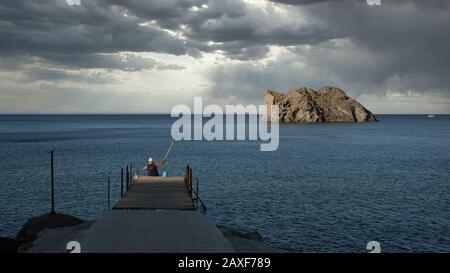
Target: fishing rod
pixel 168 151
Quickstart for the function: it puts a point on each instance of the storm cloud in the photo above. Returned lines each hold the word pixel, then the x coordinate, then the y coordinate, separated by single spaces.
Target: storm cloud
pixel 400 46
pixel 53 30
pixel 238 47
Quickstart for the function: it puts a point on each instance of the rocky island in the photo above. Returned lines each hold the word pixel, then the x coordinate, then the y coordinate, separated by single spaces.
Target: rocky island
pixel 329 104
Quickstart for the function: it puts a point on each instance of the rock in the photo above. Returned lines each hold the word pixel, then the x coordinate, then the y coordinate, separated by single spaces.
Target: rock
pixel 28 233
pixel 248 241
pixel 55 240
pixel 329 104
pixel 250 235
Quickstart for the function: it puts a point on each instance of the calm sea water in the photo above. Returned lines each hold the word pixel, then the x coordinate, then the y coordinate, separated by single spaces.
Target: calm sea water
pixel 328 188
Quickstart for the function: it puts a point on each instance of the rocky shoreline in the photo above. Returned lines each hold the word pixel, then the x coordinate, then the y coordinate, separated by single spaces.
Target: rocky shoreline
pixel 50 233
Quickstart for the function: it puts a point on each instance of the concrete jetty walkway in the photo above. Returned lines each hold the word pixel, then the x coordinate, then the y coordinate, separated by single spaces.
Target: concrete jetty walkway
pixel 154 231
pixel 156 215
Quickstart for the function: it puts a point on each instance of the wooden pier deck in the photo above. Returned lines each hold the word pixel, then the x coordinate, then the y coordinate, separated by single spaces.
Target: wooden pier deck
pixel 156 192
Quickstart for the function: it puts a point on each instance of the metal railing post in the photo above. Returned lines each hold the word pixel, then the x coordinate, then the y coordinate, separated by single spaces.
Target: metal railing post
pixel 190 181
pixel 121 182
pixel 127 179
pixel 186 173
pixel 109 193
pixel 52 177
pixel 197 193
pixel 131 174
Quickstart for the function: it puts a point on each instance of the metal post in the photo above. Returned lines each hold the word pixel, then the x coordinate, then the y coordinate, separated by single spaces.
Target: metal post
pixel 190 181
pixel 197 193
pixel 131 174
pixel 186 173
pixel 52 175
pixel 127 178
pixel 109 193
pixel 121 182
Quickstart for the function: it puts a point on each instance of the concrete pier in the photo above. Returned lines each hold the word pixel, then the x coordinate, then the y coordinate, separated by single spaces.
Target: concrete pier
pixel 154 231
pixel 156 215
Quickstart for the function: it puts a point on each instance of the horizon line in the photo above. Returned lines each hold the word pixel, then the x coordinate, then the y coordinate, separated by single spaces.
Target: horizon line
pixel 165 113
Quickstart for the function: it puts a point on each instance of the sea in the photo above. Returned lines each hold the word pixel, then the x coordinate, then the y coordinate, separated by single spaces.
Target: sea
pixel 330 187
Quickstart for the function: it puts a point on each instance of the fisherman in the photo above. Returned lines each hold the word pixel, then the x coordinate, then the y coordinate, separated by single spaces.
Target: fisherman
pixel 152 167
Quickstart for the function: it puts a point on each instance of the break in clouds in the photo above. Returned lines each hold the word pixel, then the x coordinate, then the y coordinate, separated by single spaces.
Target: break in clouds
pixel 91 56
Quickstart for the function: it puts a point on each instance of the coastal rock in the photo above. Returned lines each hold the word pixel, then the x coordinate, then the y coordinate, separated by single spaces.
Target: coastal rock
pixel 55 240
pixel 246 241
pixel 329 104
pixel 35 225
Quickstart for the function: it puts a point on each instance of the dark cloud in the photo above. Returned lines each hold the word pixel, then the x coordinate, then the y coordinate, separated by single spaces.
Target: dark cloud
pixel 403 40
pixel 255 52
pixel 54 30
pixel 401 45
pixel 235 27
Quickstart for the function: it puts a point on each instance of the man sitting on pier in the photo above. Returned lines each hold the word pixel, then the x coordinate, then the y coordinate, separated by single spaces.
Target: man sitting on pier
pixel 152 167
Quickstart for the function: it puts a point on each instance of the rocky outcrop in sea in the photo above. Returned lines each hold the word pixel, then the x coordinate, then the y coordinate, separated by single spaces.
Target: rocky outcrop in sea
pixel 329 104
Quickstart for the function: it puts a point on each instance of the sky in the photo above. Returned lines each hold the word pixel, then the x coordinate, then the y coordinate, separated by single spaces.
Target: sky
pixel 144 56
